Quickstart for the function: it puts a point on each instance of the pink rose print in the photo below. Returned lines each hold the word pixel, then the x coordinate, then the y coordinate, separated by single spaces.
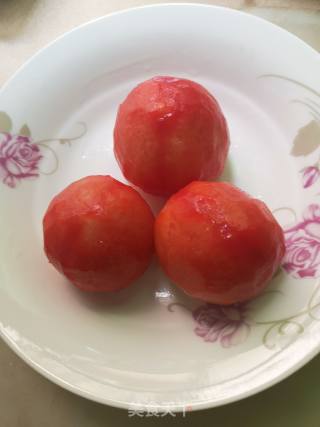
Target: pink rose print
pixel 19 158
pixel 302 258
pixel 310 175
pixel 227 325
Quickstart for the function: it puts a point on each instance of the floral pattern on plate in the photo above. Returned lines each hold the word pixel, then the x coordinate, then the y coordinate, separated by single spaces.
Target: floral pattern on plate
pixel 302 258
pixel 227 325
pixel 20 155
pixel 19 158
pixel 310 176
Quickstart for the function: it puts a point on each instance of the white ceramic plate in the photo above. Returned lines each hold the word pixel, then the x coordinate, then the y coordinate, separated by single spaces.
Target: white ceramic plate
pixel 152 346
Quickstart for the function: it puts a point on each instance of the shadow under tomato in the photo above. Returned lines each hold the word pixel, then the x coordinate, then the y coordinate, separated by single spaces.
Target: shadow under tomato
pixel 156 203
pixel 140 295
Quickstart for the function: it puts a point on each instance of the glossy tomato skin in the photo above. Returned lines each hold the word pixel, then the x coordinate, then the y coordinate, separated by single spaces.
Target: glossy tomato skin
pixel 169 132
pixel 217 243
pixel 98 232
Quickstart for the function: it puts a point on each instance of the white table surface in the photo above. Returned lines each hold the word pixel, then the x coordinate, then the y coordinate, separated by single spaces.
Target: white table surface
pixel 27 399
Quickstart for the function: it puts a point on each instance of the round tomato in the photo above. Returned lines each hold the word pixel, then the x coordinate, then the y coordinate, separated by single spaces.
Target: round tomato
pixel 217 243
pixel 98 232
pixel 169 132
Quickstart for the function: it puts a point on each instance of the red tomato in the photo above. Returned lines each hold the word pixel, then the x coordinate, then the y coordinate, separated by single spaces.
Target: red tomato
pixel 217 243
pixel 169 132
pixel 98 232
